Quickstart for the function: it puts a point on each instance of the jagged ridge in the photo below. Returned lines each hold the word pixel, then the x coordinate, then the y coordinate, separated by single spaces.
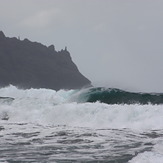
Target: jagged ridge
pixel 29 64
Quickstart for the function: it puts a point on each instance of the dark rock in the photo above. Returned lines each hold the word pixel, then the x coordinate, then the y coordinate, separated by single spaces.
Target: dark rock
pixel 29 64
pixel 51 48
pixel 2 36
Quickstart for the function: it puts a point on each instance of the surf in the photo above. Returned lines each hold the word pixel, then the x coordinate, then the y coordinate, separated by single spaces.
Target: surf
pixel 75 108
pixel 117 96
pixel 44 124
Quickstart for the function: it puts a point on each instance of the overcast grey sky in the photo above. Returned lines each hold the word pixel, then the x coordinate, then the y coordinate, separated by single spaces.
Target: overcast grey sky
pixel 116 43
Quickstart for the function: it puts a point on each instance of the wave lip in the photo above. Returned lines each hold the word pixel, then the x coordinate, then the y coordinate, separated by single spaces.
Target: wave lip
pixel 117 96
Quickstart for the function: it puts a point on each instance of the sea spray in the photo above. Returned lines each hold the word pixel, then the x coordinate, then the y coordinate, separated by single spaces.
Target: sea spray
pixel 43 125
pixel 50 107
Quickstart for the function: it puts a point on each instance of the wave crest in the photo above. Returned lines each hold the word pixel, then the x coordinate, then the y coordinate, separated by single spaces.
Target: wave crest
pixel 117 96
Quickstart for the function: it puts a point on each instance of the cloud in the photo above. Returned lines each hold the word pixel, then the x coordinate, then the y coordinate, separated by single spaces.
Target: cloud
pixel 42 19
pixel 101 27
pixel 124 38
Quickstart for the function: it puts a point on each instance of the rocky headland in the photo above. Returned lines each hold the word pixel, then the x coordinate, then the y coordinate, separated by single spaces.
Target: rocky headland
pixel 28 64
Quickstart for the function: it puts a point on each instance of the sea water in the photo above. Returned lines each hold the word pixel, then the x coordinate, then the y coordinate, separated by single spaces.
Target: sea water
pixel 47 126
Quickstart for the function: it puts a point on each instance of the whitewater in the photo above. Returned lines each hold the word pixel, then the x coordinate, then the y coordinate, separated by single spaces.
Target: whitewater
pixel 87 125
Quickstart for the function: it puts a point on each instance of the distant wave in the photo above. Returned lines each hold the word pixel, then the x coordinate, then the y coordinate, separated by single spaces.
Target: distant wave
pixel 117 96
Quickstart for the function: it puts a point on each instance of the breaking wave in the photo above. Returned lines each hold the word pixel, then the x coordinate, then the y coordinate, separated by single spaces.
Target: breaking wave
pixel 115 125
pixel 82 108
pixel 117 96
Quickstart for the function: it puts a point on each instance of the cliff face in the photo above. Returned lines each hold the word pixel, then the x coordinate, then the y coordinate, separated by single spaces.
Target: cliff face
pixel 29 64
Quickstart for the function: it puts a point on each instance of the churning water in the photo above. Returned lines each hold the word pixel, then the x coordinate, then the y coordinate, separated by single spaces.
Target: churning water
pixel 89 125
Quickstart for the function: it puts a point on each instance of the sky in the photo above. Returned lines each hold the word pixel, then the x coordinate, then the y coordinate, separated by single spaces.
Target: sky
pixel 114 43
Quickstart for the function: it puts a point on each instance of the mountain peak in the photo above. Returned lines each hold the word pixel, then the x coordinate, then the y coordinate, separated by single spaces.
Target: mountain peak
pixel 29 64
pixel 2 35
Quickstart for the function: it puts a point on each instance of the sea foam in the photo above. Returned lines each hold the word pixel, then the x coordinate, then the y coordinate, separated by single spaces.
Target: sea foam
pixel 45 106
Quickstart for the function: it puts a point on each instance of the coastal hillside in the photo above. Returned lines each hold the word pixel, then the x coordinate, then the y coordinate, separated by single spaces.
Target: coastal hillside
pixel 29 64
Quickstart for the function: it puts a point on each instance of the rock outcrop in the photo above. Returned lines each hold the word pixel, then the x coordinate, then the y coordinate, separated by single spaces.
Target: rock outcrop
pixel 29 64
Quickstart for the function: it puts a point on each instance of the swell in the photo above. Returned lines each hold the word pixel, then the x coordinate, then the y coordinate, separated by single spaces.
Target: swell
pixel 48 107
pixel 94 94
pixel 117 96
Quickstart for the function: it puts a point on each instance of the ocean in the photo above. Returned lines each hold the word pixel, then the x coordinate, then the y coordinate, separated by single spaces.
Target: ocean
pixel 87 125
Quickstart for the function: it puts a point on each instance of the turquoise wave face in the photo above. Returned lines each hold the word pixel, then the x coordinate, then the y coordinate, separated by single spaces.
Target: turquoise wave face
pixel 117 96
pixel 94 94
